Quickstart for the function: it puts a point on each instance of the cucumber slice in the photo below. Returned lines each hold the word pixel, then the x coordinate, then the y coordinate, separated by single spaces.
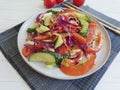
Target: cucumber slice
pixel 58 58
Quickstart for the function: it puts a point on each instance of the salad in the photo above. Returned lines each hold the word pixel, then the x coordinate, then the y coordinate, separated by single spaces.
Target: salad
pixel 64 38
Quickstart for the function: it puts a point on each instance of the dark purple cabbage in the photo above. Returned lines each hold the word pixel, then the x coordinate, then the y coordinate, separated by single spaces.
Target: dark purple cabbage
pixel 69 41
pixel 39 20
pixel 31 47
pixel 62 20
pixel 45 44
pixel 38 17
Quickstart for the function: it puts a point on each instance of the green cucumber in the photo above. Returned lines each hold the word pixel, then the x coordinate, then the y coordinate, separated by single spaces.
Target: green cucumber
pixel 58 57
pixel 66 56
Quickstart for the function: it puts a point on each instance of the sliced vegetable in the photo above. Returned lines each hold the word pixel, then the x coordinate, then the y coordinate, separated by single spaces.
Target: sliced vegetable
pixel 79 38
pixel 82 16
pixel 66 56
pixel 30 30
pixel 58 57
pixel 26 51
pixel 94 38
pixel 47 18
pixel 59 41
pixel 41 37
pixel 93 27
pixel 62 50
pixel 96 45
pixel 66 63
pixel 38 47
pixel 42 29
pixel 30 42
pixel 84 29
pixel 75 70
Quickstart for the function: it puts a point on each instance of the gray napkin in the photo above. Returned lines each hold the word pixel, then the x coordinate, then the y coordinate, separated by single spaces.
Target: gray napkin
pixel 36 81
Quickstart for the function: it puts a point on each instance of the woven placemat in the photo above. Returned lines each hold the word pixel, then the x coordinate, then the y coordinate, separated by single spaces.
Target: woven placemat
pixel 36 81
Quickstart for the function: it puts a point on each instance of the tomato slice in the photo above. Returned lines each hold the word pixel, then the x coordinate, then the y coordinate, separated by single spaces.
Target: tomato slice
pixel 79 38
pixel 76 70
pixel 38 47
pixel 62 50
pixel 26 51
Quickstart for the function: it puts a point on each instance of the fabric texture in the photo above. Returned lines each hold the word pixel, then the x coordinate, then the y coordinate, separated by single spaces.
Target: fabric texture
pixel 36 81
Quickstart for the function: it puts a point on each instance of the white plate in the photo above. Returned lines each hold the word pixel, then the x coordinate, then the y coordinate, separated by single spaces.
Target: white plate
pixel 55 72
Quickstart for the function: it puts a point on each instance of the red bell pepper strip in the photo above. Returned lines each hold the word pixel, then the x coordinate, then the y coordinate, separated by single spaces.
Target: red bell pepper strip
pixel 26 51
pixel 41 37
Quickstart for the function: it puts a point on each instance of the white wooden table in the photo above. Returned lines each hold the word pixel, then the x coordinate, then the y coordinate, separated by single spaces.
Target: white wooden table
pixel 13 12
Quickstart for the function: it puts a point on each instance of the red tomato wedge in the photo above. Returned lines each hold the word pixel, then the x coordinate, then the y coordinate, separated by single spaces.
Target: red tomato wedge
pixel 76 70
pixel 62 50
pixel 38 47
pixel 26 52
pixel 79 38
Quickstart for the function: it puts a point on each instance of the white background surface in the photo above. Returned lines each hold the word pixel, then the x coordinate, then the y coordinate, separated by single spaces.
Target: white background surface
pixel 13 12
